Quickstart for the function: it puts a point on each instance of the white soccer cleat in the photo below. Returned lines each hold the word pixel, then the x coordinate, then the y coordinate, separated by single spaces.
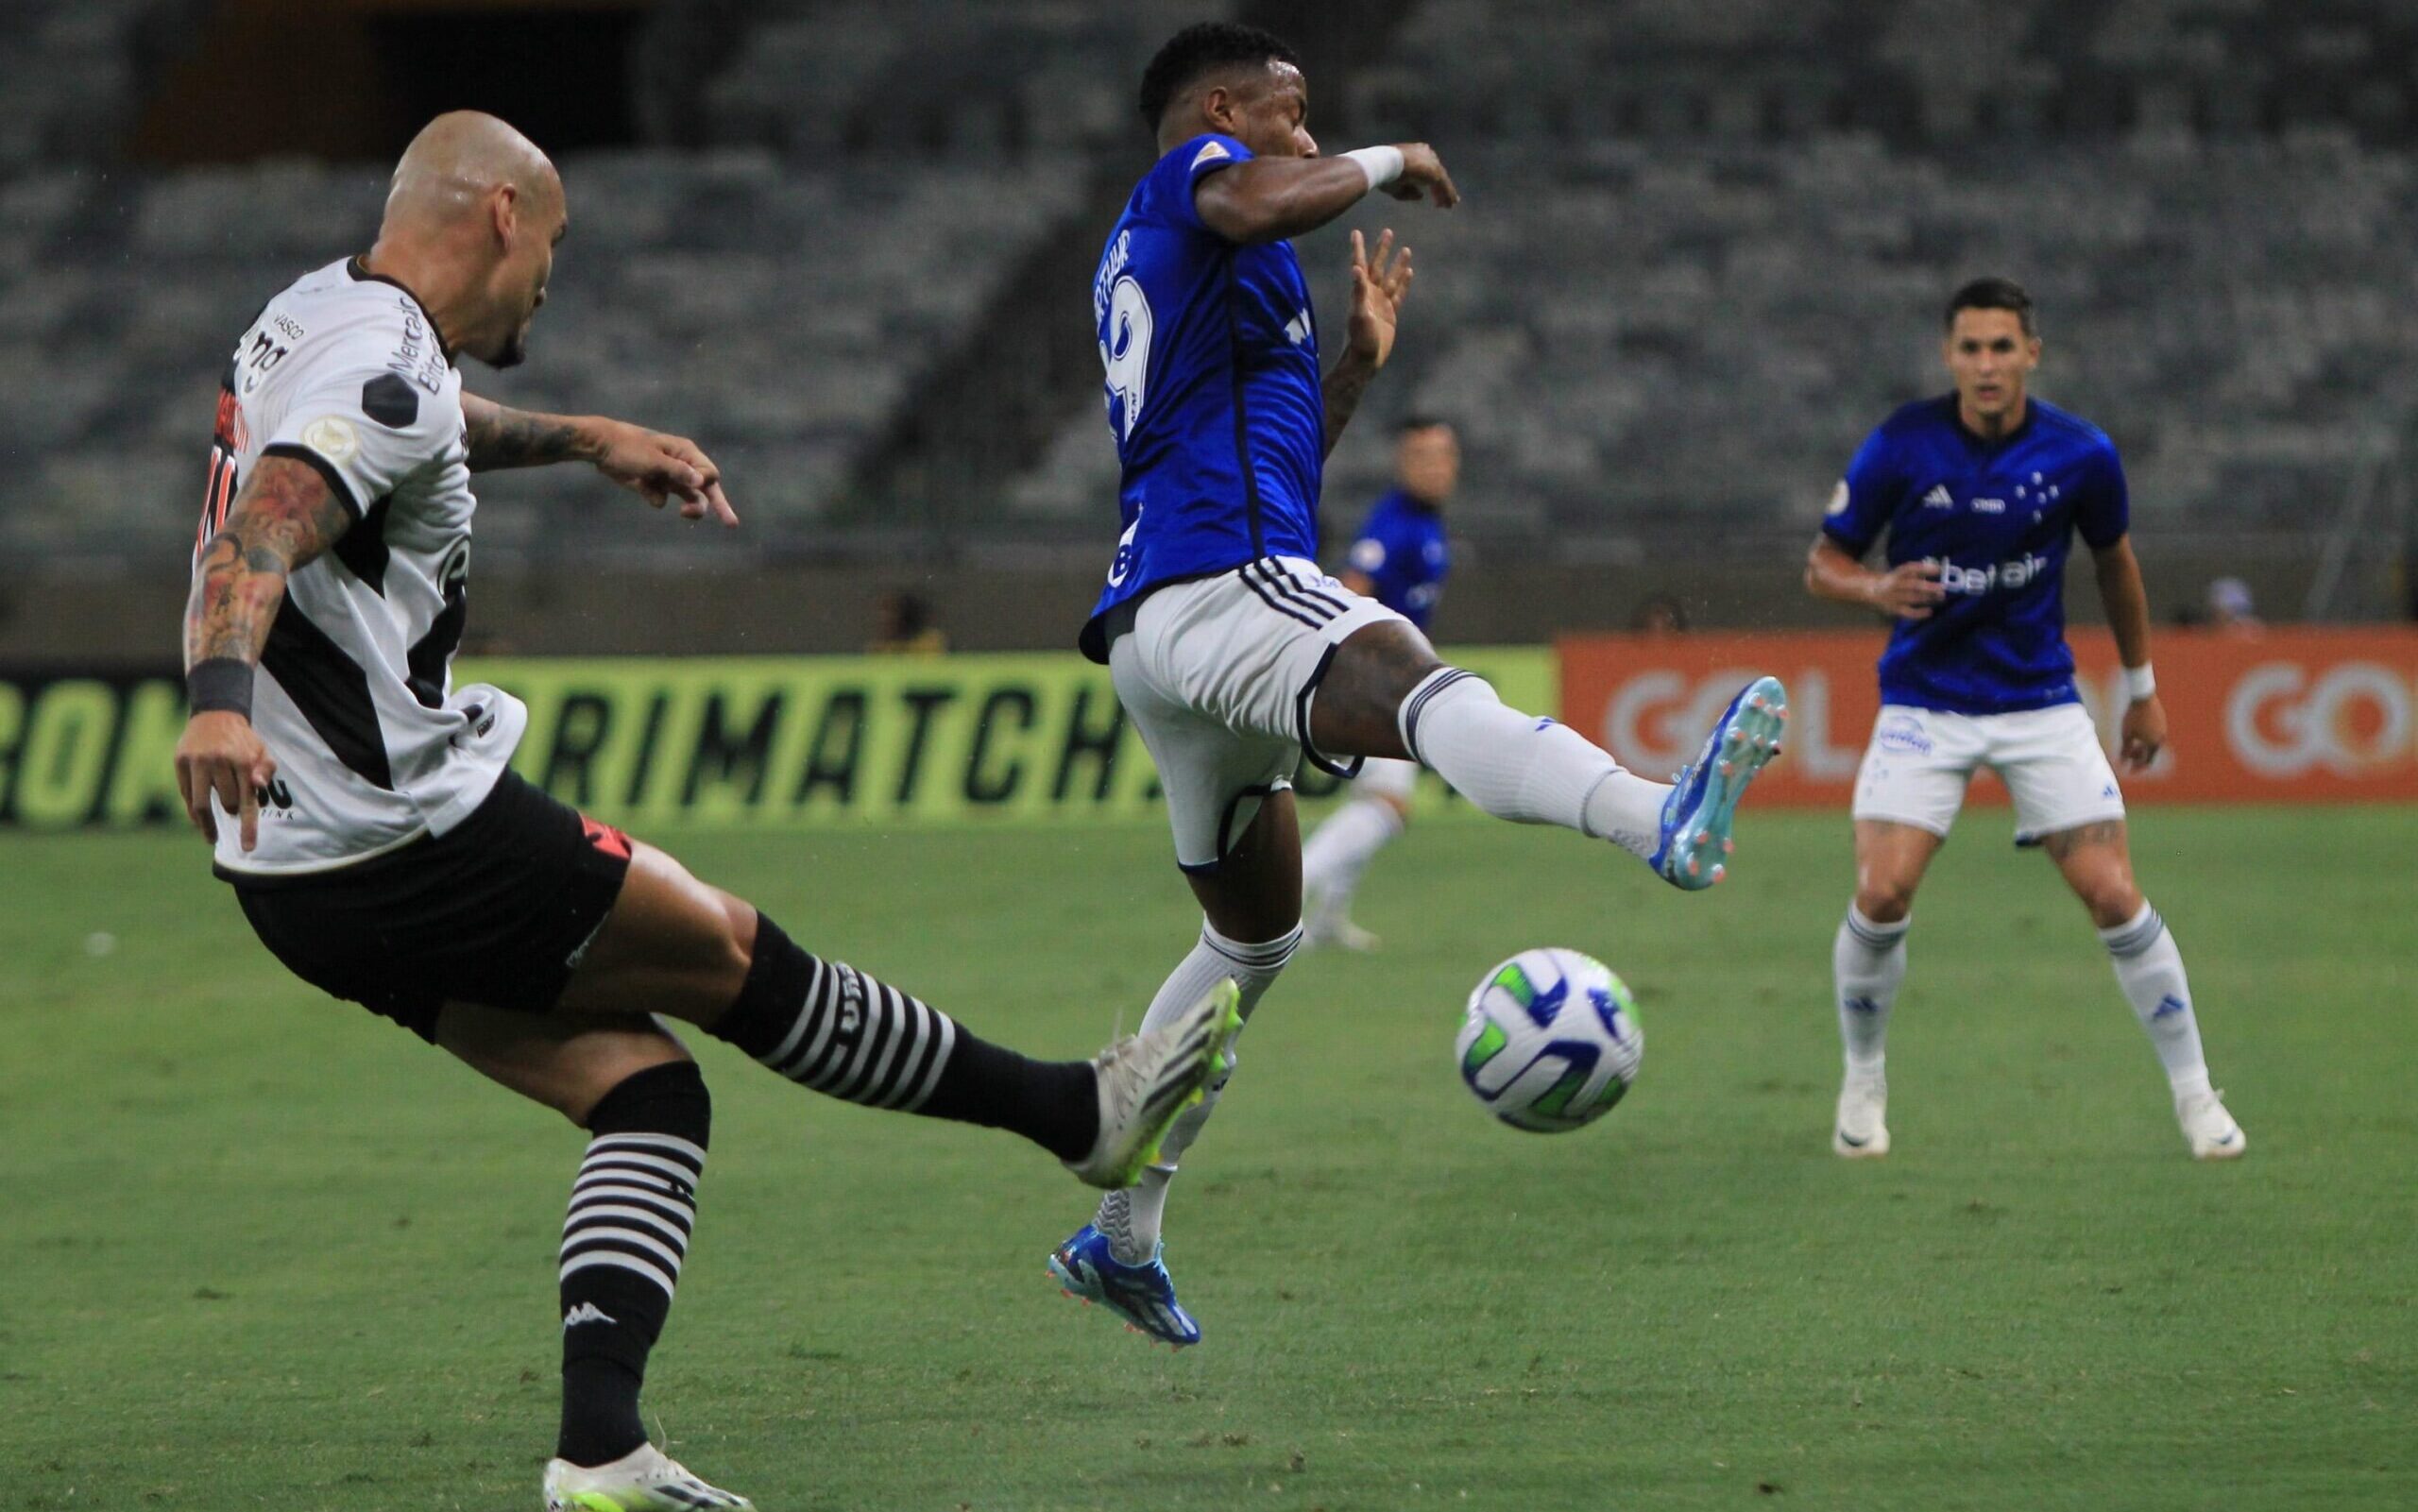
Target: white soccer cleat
pixel 2213 1134
pixel 644 1480
pixel 1323 932
pixel 1147 1079
pixel 1862 1132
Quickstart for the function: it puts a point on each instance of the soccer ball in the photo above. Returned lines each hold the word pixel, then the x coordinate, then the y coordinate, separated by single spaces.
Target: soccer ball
pixel 1550 1041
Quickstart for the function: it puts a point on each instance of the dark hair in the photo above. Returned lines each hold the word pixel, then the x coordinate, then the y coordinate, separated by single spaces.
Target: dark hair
pixel 1201 50
pixel 1992 293
pixel 1422 422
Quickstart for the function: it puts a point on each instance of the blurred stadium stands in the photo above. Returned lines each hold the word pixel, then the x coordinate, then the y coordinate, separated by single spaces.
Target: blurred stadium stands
pixel 1702 254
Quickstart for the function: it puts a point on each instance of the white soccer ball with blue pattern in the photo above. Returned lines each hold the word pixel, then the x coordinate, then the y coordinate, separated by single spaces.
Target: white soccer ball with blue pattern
pixel 1550 1042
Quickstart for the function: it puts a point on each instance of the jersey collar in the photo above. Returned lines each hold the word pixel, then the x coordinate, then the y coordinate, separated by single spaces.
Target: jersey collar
pixel 360 274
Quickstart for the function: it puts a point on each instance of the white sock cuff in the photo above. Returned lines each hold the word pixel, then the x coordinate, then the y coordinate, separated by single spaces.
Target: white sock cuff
pixel 1875 936
pixel 1264 958
pixel 2136 934
pixel 1406 720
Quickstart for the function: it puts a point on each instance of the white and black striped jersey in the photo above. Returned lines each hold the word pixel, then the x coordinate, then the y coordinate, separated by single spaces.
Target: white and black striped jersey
pixel 345 372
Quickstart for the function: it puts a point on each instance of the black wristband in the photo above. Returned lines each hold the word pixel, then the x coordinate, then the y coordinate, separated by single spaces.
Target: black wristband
pixel 219 684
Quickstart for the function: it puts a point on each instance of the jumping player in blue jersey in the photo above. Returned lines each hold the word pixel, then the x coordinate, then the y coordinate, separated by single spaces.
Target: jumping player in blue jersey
pixel 1981 493
pixel 1399 558
pixel 1236 657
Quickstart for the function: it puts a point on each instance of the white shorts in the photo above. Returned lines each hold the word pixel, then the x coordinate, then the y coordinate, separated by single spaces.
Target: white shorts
pixel 1919 760
pixel 1218 674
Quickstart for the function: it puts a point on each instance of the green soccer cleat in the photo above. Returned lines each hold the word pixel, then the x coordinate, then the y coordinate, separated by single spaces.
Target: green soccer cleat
pixel 644 1480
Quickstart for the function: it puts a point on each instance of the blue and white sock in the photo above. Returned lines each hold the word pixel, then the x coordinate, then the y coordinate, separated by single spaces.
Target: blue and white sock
pixel 1868 961
pixel 2150 969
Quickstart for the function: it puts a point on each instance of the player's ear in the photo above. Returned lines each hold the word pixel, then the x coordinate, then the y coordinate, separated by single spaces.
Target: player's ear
pixel 503 211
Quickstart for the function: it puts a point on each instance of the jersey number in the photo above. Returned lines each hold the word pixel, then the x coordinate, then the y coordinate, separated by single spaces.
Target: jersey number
pixel 1125 351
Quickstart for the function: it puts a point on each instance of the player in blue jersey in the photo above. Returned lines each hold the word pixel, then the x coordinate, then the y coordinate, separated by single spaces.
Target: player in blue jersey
pixel 1400 559
pixel 1981 493
pixel 1234 656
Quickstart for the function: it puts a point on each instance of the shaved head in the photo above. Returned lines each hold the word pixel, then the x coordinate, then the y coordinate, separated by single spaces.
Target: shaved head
pixel 456 161
pixel 471 223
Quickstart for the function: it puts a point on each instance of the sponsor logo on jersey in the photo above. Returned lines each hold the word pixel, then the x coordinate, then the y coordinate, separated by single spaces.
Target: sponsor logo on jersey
pixel 290 328
pixel 1975 581
pixel 1903 734
pixel 332 437
pixel 1989 506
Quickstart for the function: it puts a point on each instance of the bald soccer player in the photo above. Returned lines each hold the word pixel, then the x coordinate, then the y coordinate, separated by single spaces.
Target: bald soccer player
pixel 362 809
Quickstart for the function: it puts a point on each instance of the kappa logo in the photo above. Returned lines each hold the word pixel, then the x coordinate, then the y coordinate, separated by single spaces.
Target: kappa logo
pixel 1939 498
pixel 588 1313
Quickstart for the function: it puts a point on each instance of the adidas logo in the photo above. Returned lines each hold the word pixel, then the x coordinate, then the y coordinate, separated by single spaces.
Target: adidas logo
pixel 1939 498
pixel 2169 1006
pixel 588 1313
pixel 1297 330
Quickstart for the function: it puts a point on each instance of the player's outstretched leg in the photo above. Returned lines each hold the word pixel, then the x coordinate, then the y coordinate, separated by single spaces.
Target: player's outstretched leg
pixel 1533 770
pixel 833 1028
pixel 1117 1260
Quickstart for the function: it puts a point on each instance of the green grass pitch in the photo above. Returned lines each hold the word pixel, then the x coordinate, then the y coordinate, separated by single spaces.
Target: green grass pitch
pixel 264 1251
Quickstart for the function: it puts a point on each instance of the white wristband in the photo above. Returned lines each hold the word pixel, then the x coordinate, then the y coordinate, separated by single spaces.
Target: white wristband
pixel 1382 165
pixel 2140 682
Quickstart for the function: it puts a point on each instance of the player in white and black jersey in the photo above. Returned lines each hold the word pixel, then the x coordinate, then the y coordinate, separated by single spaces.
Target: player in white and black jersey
pixel 363 809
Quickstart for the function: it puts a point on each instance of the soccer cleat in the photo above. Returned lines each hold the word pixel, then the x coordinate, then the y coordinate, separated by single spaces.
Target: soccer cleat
pixel 1703 799
pixel 1147 1079
pixel 2213 1134
pixel 1862 1132
pixel 644 1480
pixel 1142 1295
pixel 1321 930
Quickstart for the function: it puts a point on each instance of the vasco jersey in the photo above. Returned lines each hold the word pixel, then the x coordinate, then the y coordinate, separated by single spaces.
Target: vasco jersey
pixel 1213 388
pixel 1403 552
pixel 1999 516
pixel 344 372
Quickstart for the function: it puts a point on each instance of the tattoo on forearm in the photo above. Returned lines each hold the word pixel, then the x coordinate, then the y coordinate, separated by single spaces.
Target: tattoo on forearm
pixel 501 437
pixel 1345 382
pixel 284 517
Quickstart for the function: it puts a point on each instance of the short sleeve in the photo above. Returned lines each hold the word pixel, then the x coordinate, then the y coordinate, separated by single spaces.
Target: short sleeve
pixel 1861 504
pixel 2104 512
pixel 1178 174
pixel 364 429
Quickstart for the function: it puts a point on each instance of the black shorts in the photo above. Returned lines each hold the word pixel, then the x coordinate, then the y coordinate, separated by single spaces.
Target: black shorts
pixel 496 911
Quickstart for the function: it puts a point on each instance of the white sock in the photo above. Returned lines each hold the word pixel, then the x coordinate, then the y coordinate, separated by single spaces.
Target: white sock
pixel 2150 969
pixel 1528 769
pixel 1132 1218
pixel 1868 961
pixel 1341 849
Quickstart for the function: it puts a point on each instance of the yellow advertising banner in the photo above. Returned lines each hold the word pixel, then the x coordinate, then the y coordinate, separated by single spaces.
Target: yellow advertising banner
pixel 753 742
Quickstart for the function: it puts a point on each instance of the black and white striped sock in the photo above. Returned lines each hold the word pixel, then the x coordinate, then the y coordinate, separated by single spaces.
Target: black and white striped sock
pixel 829 1027
pixel 624 1238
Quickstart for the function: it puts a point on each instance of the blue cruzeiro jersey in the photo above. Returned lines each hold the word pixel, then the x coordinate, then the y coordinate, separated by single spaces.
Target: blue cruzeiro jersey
pixel 1213 388
pixel 1403 552
pixel 1999 516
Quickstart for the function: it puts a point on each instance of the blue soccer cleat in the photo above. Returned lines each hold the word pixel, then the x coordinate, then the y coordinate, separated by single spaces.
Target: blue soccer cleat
pixel 1697 815
pixel 1143 1294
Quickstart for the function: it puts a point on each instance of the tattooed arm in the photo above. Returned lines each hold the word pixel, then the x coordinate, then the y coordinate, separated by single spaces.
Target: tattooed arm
pixel 285 515
pixel 654 466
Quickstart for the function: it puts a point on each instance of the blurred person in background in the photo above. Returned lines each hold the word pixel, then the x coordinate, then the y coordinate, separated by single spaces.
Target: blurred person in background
pixel 1660 615
pixel 2231 611
pixel 1399 558
pixel 904 625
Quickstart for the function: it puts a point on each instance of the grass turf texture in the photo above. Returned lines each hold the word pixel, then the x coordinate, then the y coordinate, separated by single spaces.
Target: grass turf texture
pixel 264 1250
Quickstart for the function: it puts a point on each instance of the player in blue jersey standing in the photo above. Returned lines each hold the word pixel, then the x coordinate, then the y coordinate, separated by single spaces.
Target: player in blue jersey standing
pixel 1234 656
pixel 1400 559
pixel 1981 493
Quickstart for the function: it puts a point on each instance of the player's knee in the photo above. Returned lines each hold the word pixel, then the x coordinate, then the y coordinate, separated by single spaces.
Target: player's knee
pixel 1884 899
pixel 2112 898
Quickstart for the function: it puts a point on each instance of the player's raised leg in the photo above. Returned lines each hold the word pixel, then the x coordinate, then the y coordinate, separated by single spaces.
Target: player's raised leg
pixel 2096 861
pixel 1868 963
pixel 1387 694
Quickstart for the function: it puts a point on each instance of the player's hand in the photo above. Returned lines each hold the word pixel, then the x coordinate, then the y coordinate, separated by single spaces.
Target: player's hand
pixel 220 754
pixel 657 468
pixel 2144 733
pixel 1422 176
pixel 1908 591
pixel 1379 285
